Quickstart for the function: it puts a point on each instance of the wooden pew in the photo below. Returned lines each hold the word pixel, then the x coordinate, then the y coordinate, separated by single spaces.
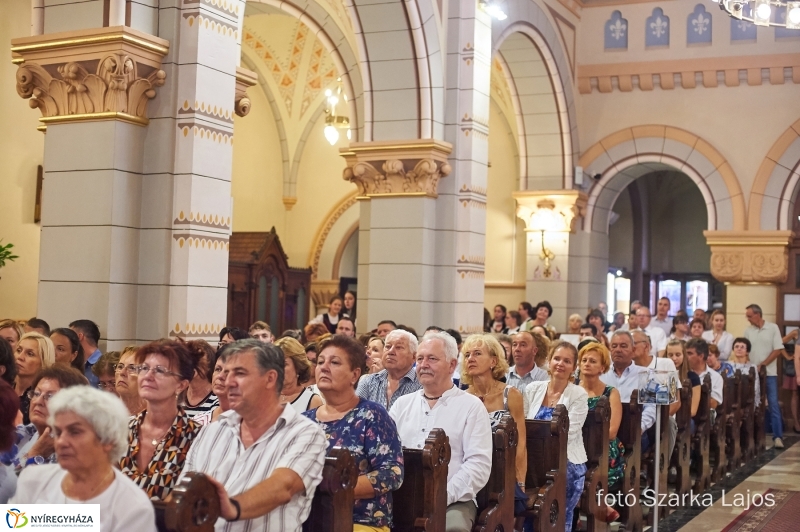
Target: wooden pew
pixel 683 440
pixel 193 507
pixel 630 434
pixel 496 499
pixel 717 453
pixel 650 461
pixel 332 507
pixel 701 437
pixel 747 432
pixel 595 441
pixel 420 505
pixel 546 479
pixel 761 411
pixel 733 446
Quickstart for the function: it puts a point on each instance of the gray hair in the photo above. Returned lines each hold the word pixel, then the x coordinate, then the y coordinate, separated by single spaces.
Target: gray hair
pixel 623 333
pixel 644 335
pixel 106 413
pixel 413 343
pixel 755 308
pixel 268 356
pixel 450 346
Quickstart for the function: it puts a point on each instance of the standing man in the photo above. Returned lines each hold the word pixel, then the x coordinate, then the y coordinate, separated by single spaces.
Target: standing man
pixel 397 378
pixel 89 335
pixel 524 371
pixel 658 340
pixel 463 417
pixel 662 320
pixel 346 327
pixel 526 316
pixel 767 345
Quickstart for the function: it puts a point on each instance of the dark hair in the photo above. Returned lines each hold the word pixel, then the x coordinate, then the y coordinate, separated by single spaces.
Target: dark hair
pixel 181 360
pixel 742 340
pixel 596 313
pixel 347 318
pixel 65 375
pixel 591 326
pixel 311 346
pixel 269 357
pixel 679 318
pixel 75 345
pixel 755 308
pixel 503 308
pixel 352 312
pixel 390 322
pixel 297 334
pixel 356 355
pixel 516 315
pixel 8 362
pixel 106 363
pixel 407 328
pixel 528 307
pixel 36 323
pixel 9 406
pixel 235 332
pixel 698 320
pixel 456 335
pixel 435 328
pixel 88 328
pixel 205 355
pixel 546 304
pixel 699 345
pixel 587 341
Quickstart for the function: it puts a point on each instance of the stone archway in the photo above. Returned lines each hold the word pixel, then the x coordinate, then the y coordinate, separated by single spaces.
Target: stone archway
pixel 775 189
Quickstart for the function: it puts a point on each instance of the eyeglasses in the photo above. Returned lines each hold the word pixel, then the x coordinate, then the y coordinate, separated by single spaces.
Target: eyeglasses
pixel 106 385
pixel 131 368
pixel 37 394
pixel 160 371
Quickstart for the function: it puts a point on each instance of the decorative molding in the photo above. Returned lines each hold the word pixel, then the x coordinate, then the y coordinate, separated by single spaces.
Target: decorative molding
pixel 289 202
pixel 566 207
pixel 322 292
pixel 687 73
pixel 412 167
pixel 337 257
pixel 322 234
pixel 504 285
pixel 211 242
pixel 90 75
pixel 244 80
pixel 207 220
pixel 749 256
pixel 196 330
pixel 772 176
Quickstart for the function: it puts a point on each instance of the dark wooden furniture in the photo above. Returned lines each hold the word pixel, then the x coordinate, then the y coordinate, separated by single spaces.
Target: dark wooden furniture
pixel 332 507
pixel 701 438
pixel 630 434
pixel 747 432
pixel 194 506
pixel 717 453
pixel 496 499
pixel 650 461
pixel 546 478
pixel 761 411
pixel 262 286
pixel 683 440
pixel 595 441
pixel 733 445
pixel 420 505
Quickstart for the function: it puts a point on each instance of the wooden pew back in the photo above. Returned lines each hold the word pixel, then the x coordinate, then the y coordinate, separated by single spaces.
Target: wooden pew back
pixel 630 434
pixel 683 440
pixel 194 506
pixel 701 438
pixel 733 430
pixel 747 431
pixel 332 507
pixel 595 441
pixel 760 413
pixel 546 479
pixel 420 504
pixel 717 453
pixel 496 499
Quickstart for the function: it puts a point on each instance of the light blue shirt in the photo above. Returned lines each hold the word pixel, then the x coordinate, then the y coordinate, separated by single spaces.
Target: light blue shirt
pixel 94 380
pixel 625 384
pixel 520 382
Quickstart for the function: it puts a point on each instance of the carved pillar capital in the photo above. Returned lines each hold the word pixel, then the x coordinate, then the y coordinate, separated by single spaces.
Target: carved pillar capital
pixel 397 168
pixel 95 74
pixel 550 210
pixel 749 256
pixel 322 292
pixel 244 80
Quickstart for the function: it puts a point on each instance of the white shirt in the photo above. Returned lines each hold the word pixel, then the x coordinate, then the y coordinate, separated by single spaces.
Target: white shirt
pixel 764 341
pixel 123 505
pixel 463 418
pixel 293 442
pixel 576 400
pixel 658 340
pixel 625 384
pixel 716 383
pixel 724 344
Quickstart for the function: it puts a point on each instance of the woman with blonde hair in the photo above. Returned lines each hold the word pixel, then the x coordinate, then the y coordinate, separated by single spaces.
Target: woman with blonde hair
pixel 676 351
pixel 127 380
pixel 11 331
pixel 542 349
pixel 297 372
pixel 483 365
pixel 34 352
pixel 574 324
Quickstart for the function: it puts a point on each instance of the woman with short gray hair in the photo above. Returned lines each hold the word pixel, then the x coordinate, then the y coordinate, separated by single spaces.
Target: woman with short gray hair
pixel 90 429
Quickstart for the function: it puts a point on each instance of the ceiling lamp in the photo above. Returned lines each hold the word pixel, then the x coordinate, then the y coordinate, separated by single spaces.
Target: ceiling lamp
pixel 764 12
pixel 333 120
pixel 492 7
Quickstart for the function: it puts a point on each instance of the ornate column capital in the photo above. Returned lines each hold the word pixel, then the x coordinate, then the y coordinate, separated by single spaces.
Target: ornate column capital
pixel 244 80
pixel 95 74
pixel 397 168
pixel 749 256
pixel 550 210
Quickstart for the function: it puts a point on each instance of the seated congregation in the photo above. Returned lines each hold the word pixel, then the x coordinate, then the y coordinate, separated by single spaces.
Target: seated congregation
pixel 322 431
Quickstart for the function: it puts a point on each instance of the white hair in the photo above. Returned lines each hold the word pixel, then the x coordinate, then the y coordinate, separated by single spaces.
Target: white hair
pixel 106 413
pixel 450 345
pixel 413 343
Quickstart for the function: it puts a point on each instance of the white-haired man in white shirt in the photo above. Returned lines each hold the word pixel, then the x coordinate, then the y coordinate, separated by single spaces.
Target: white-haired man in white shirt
pixel 462 416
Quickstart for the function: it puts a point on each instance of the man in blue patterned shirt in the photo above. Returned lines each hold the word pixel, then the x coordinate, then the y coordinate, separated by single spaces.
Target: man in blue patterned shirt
pixel 398 377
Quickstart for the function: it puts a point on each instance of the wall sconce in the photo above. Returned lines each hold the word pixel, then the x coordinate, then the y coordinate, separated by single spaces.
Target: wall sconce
pixel 545 218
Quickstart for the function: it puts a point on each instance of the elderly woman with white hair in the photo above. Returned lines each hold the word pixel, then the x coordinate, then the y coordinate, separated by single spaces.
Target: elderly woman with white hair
pixel 397 378
pixel 90 428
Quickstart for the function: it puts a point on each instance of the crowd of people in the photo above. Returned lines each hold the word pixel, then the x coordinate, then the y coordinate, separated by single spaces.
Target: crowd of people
pixel 257 414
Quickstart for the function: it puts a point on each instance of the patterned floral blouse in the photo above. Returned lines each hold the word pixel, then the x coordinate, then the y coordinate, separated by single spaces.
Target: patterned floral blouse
pixel 616 450
pixel 370 435
pixel 167 462
pixel 17 456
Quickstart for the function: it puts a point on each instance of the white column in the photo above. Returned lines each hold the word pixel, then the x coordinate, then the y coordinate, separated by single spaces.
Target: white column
pixel 37 17
pixel 116 13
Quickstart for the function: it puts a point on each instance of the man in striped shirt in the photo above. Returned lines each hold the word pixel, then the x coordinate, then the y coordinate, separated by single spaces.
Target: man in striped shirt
pixel 265 459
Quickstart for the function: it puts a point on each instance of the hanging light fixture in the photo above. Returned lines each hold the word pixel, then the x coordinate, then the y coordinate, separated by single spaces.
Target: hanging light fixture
pixel 764 12
pixel 493 8
pixel 333 120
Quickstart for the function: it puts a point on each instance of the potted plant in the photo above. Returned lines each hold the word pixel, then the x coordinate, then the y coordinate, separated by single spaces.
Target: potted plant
pixel 5 253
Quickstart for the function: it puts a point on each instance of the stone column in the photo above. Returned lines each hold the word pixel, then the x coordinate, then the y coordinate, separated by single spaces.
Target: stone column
pixel 398 186
pixel 557 256
pixel 751 264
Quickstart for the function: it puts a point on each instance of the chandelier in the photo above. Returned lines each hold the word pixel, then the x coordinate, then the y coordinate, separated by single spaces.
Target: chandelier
pixel 764 12
pixel 334 121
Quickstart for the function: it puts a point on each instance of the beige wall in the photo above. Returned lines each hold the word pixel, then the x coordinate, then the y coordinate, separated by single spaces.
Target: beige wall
pixel 21 150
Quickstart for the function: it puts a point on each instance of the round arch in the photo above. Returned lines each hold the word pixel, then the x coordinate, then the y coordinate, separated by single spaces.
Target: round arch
pixel 547 121
pixel 777 184
pixel 630 153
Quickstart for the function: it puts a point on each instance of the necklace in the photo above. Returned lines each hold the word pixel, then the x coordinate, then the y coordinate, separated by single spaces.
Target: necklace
pixel 491 391
pixel 431 398
pixel 553 399
pixel 155 441
pixel 91 493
